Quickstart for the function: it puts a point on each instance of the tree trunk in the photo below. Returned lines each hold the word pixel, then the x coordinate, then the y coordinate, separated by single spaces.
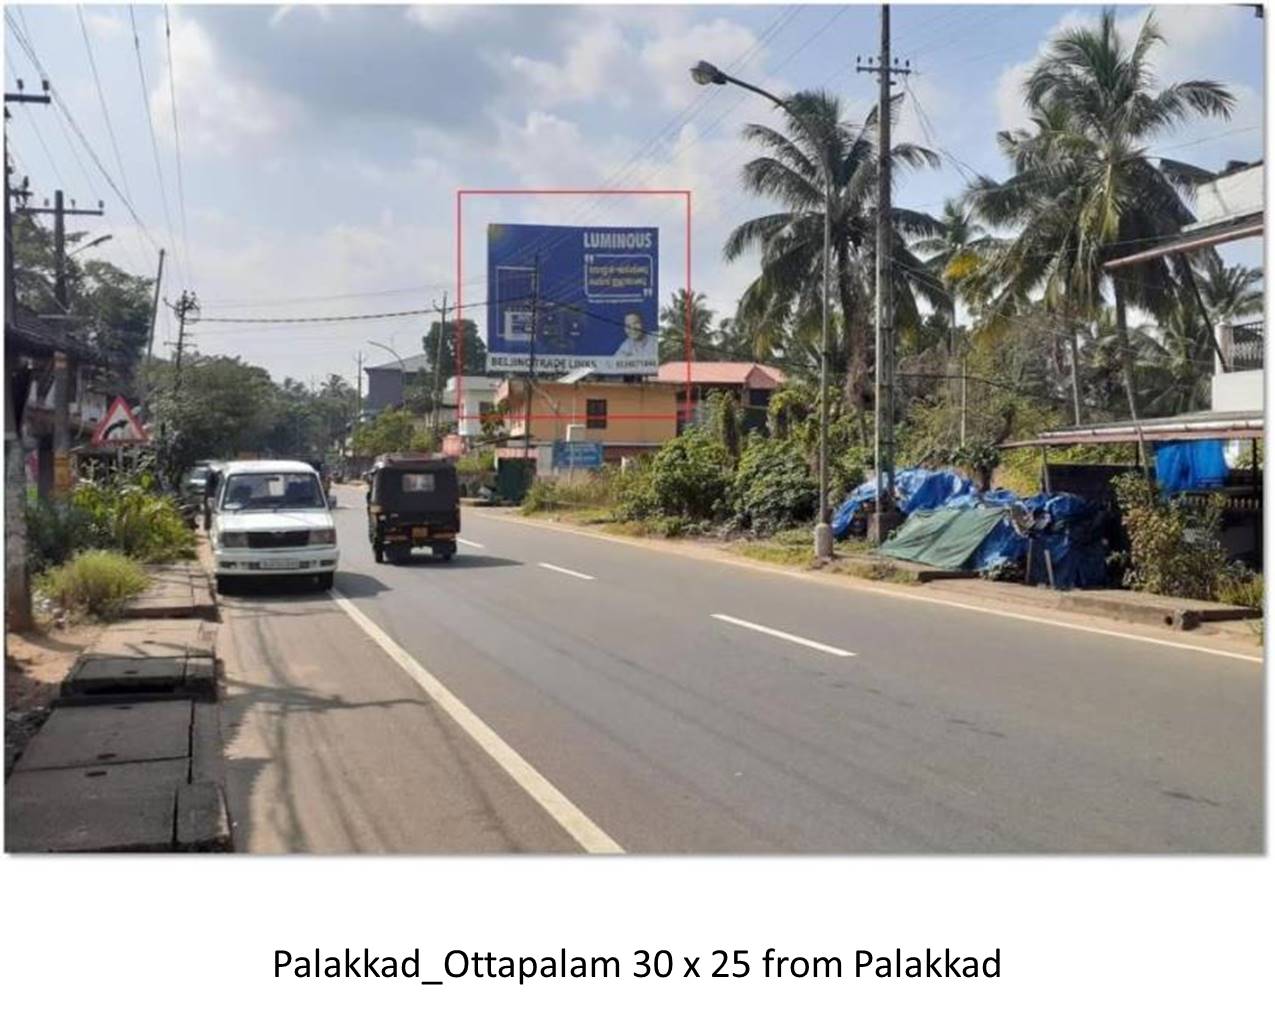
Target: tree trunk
pixel 1126 352
pixel 1075 374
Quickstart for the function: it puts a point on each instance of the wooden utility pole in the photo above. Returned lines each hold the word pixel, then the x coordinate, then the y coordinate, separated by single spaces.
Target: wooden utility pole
pixel 884 380
pixel 17 586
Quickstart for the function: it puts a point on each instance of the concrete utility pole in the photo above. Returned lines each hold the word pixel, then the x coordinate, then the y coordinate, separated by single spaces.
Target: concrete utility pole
pixel 187 306
pixel 531 362
pixel 884 381
pixel 438 360
pixel 150 341
pixel 61 365
pixel 17 586
pixel 358 396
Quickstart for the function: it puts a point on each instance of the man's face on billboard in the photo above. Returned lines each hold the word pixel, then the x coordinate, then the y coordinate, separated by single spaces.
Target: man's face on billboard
pixel 633 327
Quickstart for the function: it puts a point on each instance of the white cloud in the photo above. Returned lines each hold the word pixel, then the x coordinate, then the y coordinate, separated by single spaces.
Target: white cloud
pixel 441 17
pixel 219 112
pixel 667 59
pixel 586 72
pixel 105 26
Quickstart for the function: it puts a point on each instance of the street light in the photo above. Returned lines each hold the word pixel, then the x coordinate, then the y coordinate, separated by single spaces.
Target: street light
pixel 90 244
pixel 705 73
pixel 402 366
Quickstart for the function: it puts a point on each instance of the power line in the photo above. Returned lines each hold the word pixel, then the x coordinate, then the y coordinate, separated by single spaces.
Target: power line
pixel 150 126
pixel 177 142
pixel 101 98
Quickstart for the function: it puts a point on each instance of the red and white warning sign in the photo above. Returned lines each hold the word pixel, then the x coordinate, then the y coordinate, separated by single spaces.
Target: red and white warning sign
pixel 119 426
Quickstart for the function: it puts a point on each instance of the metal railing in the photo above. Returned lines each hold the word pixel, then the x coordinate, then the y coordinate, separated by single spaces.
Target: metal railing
pixel 1243 345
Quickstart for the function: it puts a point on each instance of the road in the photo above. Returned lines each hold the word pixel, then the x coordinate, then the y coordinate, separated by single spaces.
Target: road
pixel 550 691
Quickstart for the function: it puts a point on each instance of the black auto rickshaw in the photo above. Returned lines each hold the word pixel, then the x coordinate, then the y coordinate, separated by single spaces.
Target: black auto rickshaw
pixel 413 501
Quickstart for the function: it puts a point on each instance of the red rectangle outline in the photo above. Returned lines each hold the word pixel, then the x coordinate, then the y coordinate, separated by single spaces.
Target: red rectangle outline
pixel 677 416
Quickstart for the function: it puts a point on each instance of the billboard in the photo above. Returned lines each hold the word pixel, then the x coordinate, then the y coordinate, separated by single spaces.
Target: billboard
pixel 597 304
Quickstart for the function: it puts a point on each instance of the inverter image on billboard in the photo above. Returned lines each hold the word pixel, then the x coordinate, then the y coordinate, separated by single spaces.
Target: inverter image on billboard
pixel 596 298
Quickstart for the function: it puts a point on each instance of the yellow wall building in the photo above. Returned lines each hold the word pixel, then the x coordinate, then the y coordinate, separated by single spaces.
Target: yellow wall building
pixel 626 418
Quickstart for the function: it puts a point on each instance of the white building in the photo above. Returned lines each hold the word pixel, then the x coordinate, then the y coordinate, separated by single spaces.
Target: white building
pixel 477 400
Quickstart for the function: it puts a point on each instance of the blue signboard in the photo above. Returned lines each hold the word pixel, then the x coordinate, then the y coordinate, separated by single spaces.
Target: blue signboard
pixel 577 455
pixel 596 298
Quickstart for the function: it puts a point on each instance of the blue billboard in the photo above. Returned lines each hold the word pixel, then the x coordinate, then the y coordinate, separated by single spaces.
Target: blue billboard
pixel 597 298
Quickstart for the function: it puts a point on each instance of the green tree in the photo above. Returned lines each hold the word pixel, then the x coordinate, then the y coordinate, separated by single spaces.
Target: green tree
pixel 110 309
pixel 1231 293
pixel 673 324
pixel 1084 188
pixel 786 297
pixel 393 430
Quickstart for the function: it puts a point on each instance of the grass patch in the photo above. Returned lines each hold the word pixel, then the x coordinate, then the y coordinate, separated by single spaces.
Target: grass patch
pixel 772 551
pixel 868 568
pixel 97 582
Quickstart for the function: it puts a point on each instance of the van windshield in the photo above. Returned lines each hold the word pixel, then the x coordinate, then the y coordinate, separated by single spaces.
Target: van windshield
pixel 273 491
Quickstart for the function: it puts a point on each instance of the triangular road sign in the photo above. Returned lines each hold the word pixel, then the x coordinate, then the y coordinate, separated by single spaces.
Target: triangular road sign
pixel 119 425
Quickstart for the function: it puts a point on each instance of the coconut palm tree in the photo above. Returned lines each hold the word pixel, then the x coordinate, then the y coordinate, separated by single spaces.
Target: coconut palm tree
pixel 1231 293
pixel 1084 189
pixel 673 325
pixel 786 297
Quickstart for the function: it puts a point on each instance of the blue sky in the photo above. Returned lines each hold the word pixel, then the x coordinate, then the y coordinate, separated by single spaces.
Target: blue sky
pixel 322 145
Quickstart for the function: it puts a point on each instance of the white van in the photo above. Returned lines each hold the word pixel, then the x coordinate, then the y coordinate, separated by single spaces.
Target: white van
pixel 271 519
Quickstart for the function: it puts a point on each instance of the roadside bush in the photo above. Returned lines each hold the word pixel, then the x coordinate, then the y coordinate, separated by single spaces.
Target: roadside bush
pixel 773 487
pixel 1238 585
pixel 559 494
pixel 133 518
pixel 97 582
pixel 690 477
pixel 55 532
pixel 1174 544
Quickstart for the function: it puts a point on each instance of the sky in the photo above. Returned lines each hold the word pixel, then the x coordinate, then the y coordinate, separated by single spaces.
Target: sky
pixel 312 164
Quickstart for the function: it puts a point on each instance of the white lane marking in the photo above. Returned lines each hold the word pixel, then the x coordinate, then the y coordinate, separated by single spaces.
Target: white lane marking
pixel 563 569
pixel 851 585
pixel 784 636
pixel 472 545
pixel 564 812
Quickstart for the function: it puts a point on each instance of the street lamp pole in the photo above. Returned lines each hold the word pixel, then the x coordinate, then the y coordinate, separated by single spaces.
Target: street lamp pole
pixel 706 73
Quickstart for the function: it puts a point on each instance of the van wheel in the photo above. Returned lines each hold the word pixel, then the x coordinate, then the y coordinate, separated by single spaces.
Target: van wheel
pixel 325 581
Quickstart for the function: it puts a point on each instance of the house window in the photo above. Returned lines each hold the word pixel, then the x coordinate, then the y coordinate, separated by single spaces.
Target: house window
pixel 595 413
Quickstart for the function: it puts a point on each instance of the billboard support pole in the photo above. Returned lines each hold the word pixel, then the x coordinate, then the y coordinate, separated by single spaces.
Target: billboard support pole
pixel 531 359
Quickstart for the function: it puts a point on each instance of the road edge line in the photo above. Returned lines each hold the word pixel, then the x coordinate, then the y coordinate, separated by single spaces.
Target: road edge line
pixel 592 838
pixel 851 584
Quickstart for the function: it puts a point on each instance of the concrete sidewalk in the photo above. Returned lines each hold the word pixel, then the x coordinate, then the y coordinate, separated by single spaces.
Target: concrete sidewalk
pixel 131 757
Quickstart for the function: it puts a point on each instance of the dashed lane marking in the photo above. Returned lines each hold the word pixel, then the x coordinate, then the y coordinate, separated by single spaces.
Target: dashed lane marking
pixel 569 573
pixel 792 637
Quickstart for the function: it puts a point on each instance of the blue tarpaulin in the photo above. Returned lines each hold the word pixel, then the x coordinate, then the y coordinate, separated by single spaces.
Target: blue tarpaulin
pixel 1183 465
pixel 1065 526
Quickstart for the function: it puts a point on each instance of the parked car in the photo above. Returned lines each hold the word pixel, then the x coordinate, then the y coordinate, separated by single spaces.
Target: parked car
pixel 271 519
pixel 192 489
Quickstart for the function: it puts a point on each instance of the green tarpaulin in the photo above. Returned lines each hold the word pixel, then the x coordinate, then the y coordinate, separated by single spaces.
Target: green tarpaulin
pixel 942 538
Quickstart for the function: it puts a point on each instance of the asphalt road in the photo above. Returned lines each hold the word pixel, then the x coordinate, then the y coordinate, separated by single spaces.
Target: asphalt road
pixel 679 705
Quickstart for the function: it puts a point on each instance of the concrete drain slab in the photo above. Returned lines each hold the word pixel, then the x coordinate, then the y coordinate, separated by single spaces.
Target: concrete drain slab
pixel 124 807
pixel 111 734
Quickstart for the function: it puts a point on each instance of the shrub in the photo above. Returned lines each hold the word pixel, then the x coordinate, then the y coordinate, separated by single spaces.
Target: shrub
pixel 97 582
pixel 1238 585
pixel 1174 544
pixel 130 517
pixel 773 488
pixel 690 477
pixel 55 532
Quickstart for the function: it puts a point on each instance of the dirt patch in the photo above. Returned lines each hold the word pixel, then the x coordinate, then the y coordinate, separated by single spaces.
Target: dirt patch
pixel 35 664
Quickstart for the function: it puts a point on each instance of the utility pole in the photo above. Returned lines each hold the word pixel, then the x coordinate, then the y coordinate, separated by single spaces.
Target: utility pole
pixel 884 378
pixel 358 397
pixel 150 341
pixel 438 360
pixel 187 306
pixel 61 365
pixel 17 586
pixel 531 366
